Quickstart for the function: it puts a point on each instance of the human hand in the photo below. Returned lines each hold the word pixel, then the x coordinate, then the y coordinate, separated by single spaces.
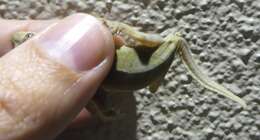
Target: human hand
pixel 47 81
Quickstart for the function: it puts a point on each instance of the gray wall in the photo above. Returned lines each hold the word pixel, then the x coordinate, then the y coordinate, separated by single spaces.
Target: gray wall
pixel 225 40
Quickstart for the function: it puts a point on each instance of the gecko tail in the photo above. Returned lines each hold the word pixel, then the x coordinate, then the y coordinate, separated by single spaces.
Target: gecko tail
pixel 198 75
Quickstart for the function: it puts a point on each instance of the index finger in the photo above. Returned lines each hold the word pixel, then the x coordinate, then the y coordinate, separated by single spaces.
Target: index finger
pixel 9 27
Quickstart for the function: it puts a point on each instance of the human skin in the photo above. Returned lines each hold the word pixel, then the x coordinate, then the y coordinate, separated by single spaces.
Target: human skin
pixel 47 81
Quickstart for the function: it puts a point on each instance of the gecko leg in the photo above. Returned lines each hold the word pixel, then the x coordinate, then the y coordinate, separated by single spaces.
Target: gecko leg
pixel 102 115
pixel 129 32
pixel 101 106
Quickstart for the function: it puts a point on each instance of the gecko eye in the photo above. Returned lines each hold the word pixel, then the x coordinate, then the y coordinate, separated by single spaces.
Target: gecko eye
pixel 28 35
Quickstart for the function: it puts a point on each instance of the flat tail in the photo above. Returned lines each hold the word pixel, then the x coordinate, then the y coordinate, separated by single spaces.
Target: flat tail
pixel 198 75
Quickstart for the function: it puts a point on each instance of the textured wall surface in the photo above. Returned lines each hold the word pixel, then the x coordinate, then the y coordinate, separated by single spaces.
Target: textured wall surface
pixel 225 40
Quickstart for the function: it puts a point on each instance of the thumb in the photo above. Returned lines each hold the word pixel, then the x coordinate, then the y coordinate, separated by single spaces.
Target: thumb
pixel 47 80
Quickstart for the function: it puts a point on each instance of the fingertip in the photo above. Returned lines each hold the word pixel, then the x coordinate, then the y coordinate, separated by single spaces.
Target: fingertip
pixel 80 42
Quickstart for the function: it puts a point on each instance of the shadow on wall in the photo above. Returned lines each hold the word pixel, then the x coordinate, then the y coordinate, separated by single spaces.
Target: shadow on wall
pixel 124 127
